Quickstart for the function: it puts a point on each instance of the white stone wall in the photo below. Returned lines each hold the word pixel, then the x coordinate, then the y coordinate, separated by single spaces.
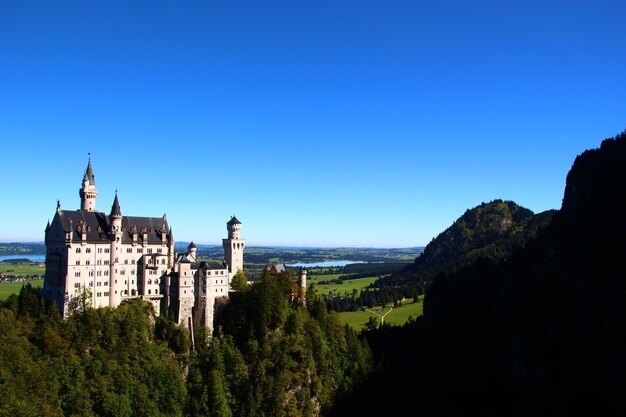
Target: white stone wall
pixel 233 253
pixel 186 297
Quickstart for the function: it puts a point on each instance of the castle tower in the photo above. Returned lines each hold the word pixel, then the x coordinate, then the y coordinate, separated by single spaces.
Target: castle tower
pixel 302 284
pixel 88 191
pixel 115 235
pixel 191 249
pixel 233 246
pixel 170 252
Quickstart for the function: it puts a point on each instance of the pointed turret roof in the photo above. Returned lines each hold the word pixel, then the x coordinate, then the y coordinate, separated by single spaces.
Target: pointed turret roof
pixel 89 174
pixel 115 209
pixel 233 220
pixel 191 245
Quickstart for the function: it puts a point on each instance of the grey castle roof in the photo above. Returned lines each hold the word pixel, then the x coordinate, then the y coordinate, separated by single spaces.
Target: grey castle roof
pixel 208 265
pixel 234 220
pixel 115 208
pixel 97 225
pixel 89 174
pixel 191 245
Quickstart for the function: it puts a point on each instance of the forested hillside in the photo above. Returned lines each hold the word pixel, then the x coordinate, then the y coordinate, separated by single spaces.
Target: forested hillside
pixel 491 231
pixel 543 333
pixel 271 358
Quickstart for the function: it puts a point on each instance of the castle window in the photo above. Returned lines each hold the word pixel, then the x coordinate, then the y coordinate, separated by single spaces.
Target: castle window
pixel 77 250
pixel 156 291
pixel 149 292
pixel 132 272
pixel 129 250
pixel 87 262
pixel 139 250
pixel 133 262
pixel 99 250
pixel 106 262
pixel 149 250
pixel 91 273
pixel 163 261
pixel 107 250
pixel 77 261
pixel 106 273
pixel 159 250
pixel 88 250
pixel 99 273
pixel 77 274
pixel 99 294
pixel 99 262
pixel 125 261
pixel 106 294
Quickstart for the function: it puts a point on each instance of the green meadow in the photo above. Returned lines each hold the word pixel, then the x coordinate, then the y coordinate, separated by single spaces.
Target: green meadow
pixel 346 287
pixel 8 288
pixel 26 269
pixel 398 316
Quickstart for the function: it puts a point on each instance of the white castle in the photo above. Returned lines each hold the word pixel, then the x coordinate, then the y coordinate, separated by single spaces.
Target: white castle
pixel 118 257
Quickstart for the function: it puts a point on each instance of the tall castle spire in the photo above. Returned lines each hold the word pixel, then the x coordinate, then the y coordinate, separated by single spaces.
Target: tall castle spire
pixel 88 191
pixel 116 211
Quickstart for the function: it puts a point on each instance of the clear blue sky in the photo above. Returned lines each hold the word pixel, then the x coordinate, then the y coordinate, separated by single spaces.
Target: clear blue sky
pixel 331 123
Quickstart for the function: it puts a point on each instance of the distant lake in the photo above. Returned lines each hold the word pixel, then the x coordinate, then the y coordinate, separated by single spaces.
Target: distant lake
pixel 33 258
pixel 325 263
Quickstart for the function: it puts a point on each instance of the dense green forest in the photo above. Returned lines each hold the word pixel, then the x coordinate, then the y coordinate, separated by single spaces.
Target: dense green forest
pixel 491 230
pixel 542 333
pixel 272 358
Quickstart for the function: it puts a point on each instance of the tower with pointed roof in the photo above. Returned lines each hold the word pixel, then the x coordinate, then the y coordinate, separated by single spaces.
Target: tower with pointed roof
pixel 115 236
pixel 88 191
pixel 192 250
pixel 233 246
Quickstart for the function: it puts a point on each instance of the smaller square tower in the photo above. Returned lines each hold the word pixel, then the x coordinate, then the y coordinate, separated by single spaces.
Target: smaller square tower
pixel 233 246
